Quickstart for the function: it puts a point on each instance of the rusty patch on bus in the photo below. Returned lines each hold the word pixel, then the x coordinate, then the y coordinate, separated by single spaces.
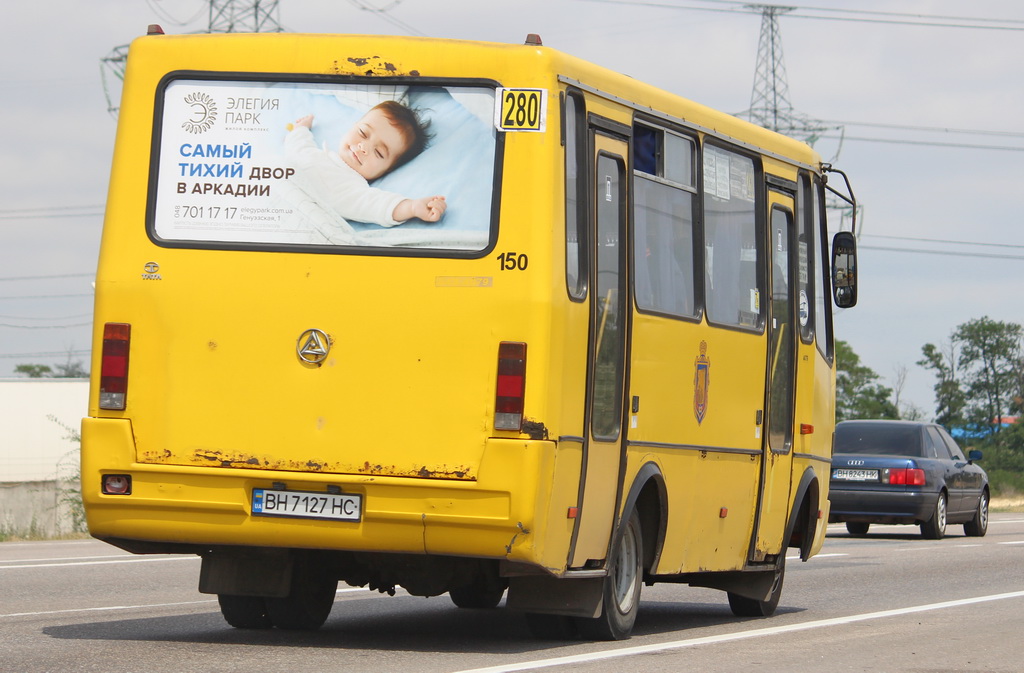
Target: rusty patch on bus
pixel 206 457
pixel 370 66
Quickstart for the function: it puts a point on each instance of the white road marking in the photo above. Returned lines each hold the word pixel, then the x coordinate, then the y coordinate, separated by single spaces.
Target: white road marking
pixel 57 563
pixel 728 637
pixel 137 607
pixel 59 559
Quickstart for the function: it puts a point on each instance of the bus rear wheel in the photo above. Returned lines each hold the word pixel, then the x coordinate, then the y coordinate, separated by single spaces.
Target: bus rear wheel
pixel 244 612
pixel 743 606
pixel 307 606
pixel 484 592
pixel 622 588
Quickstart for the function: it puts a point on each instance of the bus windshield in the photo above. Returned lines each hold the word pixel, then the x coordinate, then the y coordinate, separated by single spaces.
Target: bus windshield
pixel 283 163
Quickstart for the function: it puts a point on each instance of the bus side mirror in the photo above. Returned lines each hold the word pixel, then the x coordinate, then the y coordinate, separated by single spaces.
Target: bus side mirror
pixel 844 269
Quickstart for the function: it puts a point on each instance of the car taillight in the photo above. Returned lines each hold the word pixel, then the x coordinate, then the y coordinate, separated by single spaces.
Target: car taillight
pixel 511 388
pixel 114 366
pixel 905 476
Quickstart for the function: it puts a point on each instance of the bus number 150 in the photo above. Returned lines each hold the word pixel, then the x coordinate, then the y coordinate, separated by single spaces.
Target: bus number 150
pixel 511 261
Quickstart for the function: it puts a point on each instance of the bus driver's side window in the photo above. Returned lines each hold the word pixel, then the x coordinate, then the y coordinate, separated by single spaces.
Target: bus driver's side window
pixel 575 202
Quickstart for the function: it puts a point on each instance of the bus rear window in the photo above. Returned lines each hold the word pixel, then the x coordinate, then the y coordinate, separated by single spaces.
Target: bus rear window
pixel 243 164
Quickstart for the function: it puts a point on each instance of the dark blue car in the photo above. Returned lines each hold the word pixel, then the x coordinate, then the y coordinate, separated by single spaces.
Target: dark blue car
pixel 905 472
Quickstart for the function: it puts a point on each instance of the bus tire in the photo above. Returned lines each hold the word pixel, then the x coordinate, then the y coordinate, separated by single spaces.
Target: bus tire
pixel 244 612
pixel 551 627
pixel 743 606
pixel 307 606
pixel 622 588
pixel 484 592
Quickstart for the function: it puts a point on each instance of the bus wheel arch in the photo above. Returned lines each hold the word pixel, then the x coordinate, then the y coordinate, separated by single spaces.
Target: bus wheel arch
pixel 648 497
pixel 632 556
pixel 803 521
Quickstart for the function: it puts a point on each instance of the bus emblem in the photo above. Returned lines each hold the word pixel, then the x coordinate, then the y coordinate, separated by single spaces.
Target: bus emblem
pixel 701 382
pixel 313 346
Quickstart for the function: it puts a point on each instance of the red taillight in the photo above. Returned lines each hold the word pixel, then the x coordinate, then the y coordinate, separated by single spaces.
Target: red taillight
pixel 906 476
pixel 114 367
pixel 511 388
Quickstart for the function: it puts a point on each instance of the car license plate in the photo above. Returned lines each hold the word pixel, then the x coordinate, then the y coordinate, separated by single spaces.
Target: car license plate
pixel 855 475
pixel 307 505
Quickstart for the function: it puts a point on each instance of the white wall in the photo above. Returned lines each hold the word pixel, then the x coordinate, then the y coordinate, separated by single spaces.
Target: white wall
pixel 34 446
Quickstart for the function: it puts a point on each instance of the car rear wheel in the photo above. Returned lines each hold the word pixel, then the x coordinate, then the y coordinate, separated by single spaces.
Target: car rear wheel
pixel 978 526
pixel 857 527
pixel 935 527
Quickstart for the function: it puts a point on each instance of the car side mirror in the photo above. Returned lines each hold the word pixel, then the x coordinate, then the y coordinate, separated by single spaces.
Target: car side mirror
pixel 844 269
pixel 973 455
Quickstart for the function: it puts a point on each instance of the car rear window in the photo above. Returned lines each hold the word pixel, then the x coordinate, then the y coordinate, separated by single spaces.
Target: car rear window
pixel 887 439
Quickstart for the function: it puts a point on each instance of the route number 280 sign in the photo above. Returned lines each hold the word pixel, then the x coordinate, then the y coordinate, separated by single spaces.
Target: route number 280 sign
pixel 521 110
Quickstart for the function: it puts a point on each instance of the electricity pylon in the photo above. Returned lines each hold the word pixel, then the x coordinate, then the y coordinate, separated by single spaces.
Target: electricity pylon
pixel 770 106
pixel 225 16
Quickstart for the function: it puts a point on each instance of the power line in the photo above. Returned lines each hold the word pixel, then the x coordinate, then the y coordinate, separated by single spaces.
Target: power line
pixel 80 324
pixel 930 129
pixel 48 296
pixel 926 20
pixel 9 211
pixel 50 277
pixel 35 317
pixel 383 12
pixel 880 13
pixel 166 16
pixel 49 354
pixel 950 253
pixel 927 143
pixel 50 212
pixel 944 241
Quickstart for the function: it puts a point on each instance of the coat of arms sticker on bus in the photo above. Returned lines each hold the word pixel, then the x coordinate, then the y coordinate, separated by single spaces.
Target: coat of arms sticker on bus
pixel 701 382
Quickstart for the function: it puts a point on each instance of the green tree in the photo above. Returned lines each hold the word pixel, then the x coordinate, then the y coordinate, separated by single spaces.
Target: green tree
pixel 33 371
pixel 949 397
pixel 72 369
pixel 990 359
pixel 858 395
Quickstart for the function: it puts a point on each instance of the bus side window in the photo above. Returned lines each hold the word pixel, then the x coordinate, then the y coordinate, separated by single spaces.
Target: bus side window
pixel 663 222
pixel 575 207
pixel 734 268
pixel 820 261
pixel 806 254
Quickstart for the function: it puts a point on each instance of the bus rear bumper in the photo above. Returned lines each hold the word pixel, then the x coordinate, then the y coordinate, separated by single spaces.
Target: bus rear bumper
pixel 171 508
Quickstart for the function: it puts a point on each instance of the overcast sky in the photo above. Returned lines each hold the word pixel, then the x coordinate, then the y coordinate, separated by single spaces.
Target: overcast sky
pixel 868 64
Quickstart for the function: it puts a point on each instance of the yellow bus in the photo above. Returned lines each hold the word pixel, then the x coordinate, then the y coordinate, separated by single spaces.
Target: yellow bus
pixel 458 317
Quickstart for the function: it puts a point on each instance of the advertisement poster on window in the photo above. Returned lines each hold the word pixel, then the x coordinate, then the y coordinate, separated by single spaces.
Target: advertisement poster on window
pixel 286 163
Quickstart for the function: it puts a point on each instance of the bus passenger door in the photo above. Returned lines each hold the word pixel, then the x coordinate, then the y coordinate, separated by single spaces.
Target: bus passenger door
pixel 777 463
pixel 603 451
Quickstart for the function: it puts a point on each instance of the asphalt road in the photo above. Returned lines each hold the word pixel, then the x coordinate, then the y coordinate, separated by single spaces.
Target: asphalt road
pixel 888 602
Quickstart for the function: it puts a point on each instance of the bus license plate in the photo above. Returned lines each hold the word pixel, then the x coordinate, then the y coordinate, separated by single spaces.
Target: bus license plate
pixel 855 475
pixel 307 505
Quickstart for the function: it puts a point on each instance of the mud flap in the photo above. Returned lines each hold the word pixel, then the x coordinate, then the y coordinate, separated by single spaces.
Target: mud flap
pixel 756 585
pixel 253 572
pixel 551 595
